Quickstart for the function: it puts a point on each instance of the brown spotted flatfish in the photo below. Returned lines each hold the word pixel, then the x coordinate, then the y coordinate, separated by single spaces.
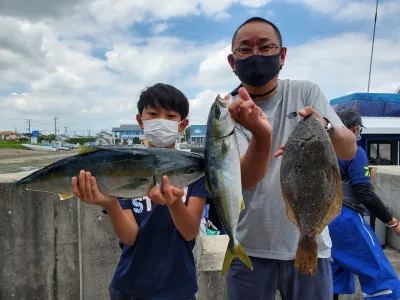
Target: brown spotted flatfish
pixel 311 187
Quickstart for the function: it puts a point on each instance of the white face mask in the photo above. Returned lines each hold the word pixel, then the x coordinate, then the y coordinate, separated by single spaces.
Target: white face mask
pixel 161 132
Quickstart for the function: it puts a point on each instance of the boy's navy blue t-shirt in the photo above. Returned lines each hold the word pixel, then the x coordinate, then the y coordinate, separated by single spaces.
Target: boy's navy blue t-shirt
pixel 161 264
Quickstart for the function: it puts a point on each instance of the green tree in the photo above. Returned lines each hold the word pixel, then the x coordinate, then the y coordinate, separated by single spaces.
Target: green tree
pixel 136 140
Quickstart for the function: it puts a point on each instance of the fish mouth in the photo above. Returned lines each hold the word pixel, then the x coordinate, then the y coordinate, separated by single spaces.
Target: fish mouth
pixel 229 134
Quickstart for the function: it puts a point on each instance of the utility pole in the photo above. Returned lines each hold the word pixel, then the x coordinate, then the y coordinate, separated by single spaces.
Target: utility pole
pixel 66 131
pixel 372 50
pixel 29 129
pixel 55 125
pixel 88 130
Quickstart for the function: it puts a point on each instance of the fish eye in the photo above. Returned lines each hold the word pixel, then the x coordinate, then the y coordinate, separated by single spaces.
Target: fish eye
pixel 191 170
pixel 217 112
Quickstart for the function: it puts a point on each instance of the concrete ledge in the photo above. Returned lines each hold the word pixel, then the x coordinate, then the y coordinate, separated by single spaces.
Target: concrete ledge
pixel 210 252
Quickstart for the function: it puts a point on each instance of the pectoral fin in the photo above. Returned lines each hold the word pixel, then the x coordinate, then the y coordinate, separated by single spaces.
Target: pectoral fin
pixel 65 196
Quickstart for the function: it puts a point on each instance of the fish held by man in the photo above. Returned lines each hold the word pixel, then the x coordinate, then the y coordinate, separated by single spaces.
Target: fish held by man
pixel 119 172
pixel 311 187
pixel 223 177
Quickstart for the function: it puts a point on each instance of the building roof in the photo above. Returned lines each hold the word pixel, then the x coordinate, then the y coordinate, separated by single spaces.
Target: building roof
pixel 8 133
pixel 126 127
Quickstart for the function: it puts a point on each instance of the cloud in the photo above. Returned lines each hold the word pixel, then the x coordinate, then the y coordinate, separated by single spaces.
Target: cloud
pixel 215 71
pixel 340 64
pixel 160 28
pixel 201 103
pixel 349 11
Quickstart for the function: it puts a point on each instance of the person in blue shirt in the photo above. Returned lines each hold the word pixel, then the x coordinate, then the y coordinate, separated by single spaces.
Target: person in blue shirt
pixel 158 232
pixel 355 247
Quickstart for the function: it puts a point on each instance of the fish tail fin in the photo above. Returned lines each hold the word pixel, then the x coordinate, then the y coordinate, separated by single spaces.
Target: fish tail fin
pixel 239 252
pixel 307 254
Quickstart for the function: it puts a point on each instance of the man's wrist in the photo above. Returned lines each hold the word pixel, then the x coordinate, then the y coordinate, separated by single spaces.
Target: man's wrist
pixel 329 127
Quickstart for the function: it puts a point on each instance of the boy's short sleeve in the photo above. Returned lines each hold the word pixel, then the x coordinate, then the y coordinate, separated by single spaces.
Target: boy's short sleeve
pixel 198 189
pixel 124 203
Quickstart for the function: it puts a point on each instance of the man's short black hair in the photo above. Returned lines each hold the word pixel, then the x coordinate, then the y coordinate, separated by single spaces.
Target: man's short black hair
pixel 165 96
pixel 258 19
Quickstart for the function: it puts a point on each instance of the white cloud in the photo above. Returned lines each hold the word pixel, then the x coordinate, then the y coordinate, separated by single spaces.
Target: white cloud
pixel 161 58
pixel 340 64
pixel 255 3
pixel 345 10
pixel 201 103
pixel 160 28
pixel 215 71
pixel 47 66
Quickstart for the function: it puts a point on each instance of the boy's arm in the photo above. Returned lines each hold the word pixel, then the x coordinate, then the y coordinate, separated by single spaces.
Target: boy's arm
pixel 122 220
pixel 186 218
pixel 254 163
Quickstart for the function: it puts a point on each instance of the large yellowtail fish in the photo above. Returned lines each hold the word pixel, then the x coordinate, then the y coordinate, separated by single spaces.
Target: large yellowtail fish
pixel 223 176
pixel 119 172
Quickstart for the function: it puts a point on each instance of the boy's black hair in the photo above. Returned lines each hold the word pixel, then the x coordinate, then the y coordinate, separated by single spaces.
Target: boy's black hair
pixel 165 96
pixel 258 19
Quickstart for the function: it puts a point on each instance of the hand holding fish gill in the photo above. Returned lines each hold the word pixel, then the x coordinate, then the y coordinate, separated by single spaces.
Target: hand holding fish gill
pixel 169 194
pixel 245 112
pixel 304 112
pixel 85 188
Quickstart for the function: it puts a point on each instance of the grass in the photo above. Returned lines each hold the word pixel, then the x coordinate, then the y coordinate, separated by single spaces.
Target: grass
pixel 11 144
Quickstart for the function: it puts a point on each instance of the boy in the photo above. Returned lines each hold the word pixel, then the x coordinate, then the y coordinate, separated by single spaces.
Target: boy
pixel 157 231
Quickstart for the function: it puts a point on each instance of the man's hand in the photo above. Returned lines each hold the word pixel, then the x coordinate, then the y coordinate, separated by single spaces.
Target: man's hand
pixel 245 112
pixel 85 188
pixel 308 110
pixel 280 151
pixel 304 112
pixel 168 196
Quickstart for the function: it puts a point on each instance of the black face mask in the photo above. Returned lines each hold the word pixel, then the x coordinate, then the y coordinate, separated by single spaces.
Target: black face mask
pixel 257 70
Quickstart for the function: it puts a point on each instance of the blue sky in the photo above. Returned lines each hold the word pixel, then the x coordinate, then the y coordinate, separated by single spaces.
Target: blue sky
pixel 86 61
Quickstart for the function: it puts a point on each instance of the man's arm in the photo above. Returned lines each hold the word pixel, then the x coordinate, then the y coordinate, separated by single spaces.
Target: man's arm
pixel 343 139
pixel 254 163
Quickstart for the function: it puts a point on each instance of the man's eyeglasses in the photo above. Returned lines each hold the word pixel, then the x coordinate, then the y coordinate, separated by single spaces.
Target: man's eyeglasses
pixel 265 50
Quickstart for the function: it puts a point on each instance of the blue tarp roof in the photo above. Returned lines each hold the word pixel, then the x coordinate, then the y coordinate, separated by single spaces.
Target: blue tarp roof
pixel 370 104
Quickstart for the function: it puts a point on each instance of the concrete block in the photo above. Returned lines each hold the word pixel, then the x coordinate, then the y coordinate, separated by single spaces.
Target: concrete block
pixel 386 181
pixel 100 251
pixel 27 244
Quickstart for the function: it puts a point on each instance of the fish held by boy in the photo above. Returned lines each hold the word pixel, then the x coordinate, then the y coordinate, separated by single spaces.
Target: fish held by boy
pixel 311 187
pixel 126 173
pixel 223 177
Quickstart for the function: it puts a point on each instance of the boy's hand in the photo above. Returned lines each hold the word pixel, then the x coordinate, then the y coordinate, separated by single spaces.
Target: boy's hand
pixel 168 196
pixel 249 115
pixel 85 188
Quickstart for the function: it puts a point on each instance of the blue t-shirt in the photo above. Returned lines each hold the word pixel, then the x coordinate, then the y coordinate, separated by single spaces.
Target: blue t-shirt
pixel 356 170
pixel 160 265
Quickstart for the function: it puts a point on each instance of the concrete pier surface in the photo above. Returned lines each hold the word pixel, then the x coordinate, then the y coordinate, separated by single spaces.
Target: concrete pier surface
pixel 18 160
pixel 53 249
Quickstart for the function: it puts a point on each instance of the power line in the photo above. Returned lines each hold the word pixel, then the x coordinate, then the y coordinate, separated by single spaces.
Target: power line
pixel 372 50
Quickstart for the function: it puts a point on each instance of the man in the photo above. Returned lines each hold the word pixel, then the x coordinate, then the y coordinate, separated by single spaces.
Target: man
pixel 264 230
pixel 355 247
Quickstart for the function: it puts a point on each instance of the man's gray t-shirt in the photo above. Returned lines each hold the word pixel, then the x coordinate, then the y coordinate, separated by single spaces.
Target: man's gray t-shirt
pixel 264 229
